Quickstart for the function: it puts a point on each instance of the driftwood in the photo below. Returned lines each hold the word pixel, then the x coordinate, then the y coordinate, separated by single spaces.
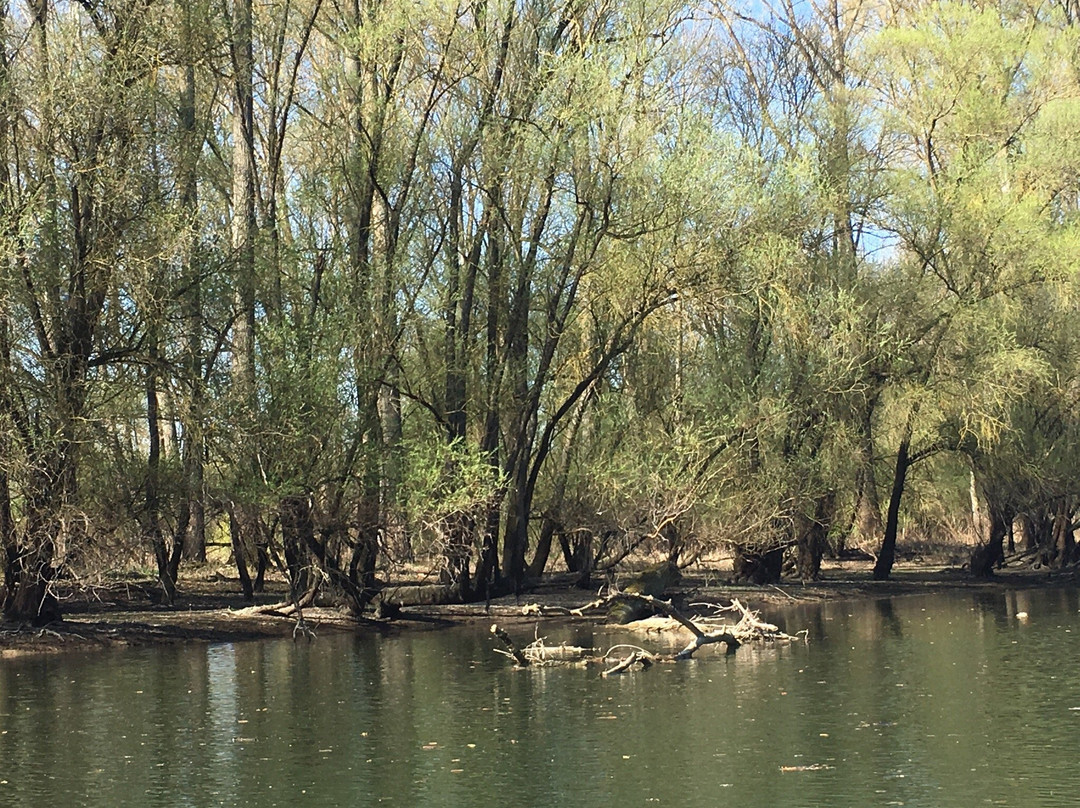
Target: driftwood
pixel 637 656
pixel 701 637
pixel 294 607
pixel 705 631
pixel 538 652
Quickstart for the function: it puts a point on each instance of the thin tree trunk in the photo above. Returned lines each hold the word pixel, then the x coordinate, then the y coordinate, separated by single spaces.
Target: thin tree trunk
pixel 297 534
pixel 191 532
pixel 8 537
pixel 245 520
pixel 488 574
pixel 243 202
pixel 549 525
pixel 153 471
pixel 516 538
pixel 887 555
pixel 237 536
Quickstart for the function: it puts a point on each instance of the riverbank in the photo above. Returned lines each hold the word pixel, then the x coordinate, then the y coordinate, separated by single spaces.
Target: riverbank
pixel 125 613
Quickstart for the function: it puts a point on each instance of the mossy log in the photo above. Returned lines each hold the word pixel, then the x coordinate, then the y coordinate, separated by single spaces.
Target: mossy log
pixel 390 600
pixel 652 582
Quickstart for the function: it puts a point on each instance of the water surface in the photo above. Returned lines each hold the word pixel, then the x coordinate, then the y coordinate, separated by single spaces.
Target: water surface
pixel 923 701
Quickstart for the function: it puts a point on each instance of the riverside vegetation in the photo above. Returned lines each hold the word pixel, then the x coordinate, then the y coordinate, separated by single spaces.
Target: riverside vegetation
pixel 488 288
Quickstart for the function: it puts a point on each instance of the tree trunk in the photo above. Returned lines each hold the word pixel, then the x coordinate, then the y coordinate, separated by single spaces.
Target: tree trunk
pixel 243 202
pixel 31 558
pixel 238 534
pixel 542 552
pixel 991 521
pixel 356 584
pixel 30 598
pixel 758 567
pixel 813 537
pixel 360 586
pixel 1064 541
pixel 372 227
pixel 488 574
pixel 297 534
pixel 8 537
pixel 550 525
pixel 1030 531
pixel 867 526
pixel 989 554
pixel 191 532
pixel 887 555
pixel 516 538
pixel 577 549
pixel 153 469
pixel 488 578
pixel 244 523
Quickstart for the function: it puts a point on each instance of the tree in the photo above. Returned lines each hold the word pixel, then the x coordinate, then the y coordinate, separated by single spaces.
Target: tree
pixel 798 323
pixel 967 91
pixel 79 219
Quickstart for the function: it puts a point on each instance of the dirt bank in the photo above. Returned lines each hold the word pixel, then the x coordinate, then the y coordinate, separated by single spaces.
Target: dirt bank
pixel 124 613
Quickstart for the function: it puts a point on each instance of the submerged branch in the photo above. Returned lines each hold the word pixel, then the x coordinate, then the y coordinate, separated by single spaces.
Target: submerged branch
pixel 638 656
pixel 511 648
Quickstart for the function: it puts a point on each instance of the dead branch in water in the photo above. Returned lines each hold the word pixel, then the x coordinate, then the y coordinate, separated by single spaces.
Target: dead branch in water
pixel 705 630
pixel 512 650
pixel 638 656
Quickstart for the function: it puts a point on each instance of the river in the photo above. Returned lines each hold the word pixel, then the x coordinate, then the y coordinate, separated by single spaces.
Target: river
pixel 935 701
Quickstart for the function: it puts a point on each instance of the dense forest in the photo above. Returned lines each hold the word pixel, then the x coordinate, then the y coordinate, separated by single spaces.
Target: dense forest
pixel 508 285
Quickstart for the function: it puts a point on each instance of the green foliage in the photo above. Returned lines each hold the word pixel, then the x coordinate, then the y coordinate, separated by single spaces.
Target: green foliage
pixel 443 484
pixel 663 275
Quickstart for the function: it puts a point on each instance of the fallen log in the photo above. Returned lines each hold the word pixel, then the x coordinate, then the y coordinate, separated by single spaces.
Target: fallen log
pixel 539 652
pixel 651 582
pixel 701 637
pixel 389 601
pixel 704 631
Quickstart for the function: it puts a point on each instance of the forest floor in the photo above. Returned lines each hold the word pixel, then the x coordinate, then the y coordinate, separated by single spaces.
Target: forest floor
pixel 126 611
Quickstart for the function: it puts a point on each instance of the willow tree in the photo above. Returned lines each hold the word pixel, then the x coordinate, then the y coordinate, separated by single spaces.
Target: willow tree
pixel 795 321
pixel 191 121
pixel 8 537
pixel 566 229
pixel 78 218
pixel 968 95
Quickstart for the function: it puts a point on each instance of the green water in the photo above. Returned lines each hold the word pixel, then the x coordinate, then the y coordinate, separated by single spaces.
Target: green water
pixel 931 701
